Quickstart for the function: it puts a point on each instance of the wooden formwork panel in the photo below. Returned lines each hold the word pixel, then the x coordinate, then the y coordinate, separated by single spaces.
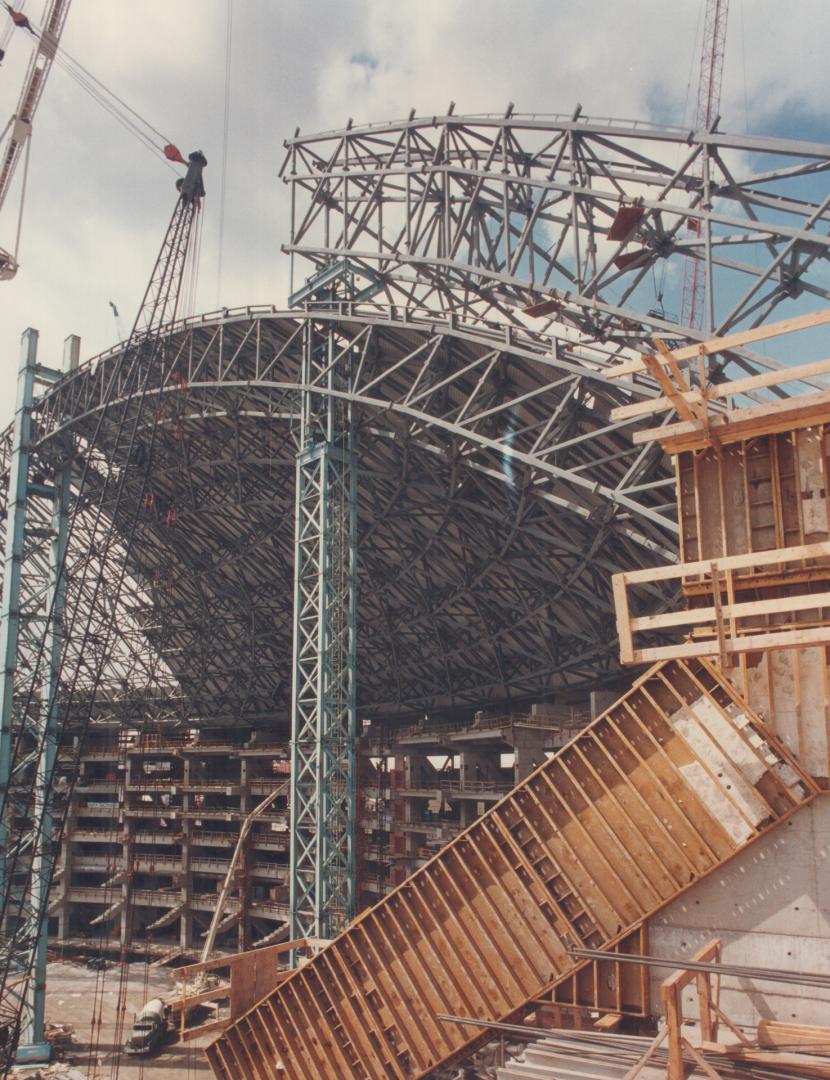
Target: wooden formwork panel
pixel 761 495
pixel 666 786
pixel 771 491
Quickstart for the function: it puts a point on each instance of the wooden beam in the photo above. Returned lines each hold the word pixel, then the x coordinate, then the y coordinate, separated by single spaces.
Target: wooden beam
pixel 746 643
pixel 729 341
pixel 610 1022
pixel 803 411
pixel 719 391
pixel 671 991
pixel 805 1065
pixel 779 1034
pixel 228 961
pixel 749 561
pixel 188 1001
pixel 204 1029
pixel 746 610
pixel 675 391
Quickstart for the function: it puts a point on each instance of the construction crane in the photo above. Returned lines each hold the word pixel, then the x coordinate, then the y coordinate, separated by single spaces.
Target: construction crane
pixel 39 686
pixel 695 289
pixel 16 137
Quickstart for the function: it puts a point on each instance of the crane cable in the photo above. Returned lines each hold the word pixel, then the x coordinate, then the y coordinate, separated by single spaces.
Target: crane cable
pixel 225 130
pixel 136 124
pixel 22 197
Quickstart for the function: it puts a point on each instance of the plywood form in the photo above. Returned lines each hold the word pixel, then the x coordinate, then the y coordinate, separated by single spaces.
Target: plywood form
pixel 604 834
pixel 769 493
pixel 756 495
pixel 755 573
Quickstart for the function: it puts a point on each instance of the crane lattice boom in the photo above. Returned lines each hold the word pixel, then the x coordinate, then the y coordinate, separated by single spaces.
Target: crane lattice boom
pixel 19 128
pixel 706 114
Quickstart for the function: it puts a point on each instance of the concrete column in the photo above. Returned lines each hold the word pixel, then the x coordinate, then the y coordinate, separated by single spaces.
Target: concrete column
pixel 479 764
pixel 186 918
pixel 528 747
pixel 246 803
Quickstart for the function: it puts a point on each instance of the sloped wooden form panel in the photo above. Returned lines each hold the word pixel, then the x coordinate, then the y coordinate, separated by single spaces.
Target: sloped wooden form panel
pixel 666 786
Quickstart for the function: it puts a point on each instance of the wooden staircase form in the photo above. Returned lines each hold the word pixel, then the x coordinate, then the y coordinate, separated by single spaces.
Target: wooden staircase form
pixel 669 784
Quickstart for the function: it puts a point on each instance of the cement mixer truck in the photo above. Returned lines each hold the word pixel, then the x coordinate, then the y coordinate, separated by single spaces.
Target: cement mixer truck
pixel 149 1028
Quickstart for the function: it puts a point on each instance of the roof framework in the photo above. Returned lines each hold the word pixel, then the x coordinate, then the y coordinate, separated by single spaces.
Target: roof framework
pixel 484 550
pixel 496 496
pixel 481 215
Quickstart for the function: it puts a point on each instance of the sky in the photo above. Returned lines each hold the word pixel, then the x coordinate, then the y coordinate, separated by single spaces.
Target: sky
pixel 98 201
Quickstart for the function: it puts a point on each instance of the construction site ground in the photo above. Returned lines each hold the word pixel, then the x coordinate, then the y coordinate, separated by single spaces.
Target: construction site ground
pixel 70 1000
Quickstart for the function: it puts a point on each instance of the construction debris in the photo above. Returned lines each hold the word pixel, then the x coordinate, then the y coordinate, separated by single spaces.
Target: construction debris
pixel 57 1071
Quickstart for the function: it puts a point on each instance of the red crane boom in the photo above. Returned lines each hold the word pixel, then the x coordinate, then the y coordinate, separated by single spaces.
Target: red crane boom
pixel 708 104
pixel 19 128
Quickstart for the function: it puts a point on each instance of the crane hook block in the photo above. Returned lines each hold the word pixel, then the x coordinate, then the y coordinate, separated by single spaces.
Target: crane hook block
pixel 19 19
pixel 173 153
pixel 191 186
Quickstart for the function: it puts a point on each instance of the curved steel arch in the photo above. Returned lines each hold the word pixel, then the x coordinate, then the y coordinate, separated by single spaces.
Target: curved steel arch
pixel 485 215
pixel 485 552
pixel 444 229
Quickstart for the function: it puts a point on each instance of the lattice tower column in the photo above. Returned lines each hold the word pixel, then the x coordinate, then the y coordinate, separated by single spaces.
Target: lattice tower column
pixel 323 767
pixel 31 620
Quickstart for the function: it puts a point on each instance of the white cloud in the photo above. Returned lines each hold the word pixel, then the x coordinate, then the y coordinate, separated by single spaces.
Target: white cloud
pixel 98 202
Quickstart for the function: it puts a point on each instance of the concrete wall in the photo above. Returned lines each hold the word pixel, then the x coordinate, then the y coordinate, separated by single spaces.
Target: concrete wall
pixel 770 906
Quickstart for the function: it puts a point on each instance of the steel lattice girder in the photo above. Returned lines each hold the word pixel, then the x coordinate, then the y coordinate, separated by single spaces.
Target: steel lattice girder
pixel 483 215
pixel 31 631
pixel 496 496
pixel 487 532
pixel 324 717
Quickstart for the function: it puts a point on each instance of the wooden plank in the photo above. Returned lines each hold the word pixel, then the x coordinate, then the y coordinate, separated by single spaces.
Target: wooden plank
pixel 188 1002
pixel 783 1035
pixel 802 1065
pixel 746 643
pixel 674 391
pixel 749 561
pixel 624 633
pixel 204 1029
pixel 803 411
pixel 728 341
pixel 274 951
pixel 747 609
pixel 720 391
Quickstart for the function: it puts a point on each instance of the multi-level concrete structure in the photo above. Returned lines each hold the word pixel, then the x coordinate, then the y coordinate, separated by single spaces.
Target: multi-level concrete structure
pixel 155 818
pixel 149 837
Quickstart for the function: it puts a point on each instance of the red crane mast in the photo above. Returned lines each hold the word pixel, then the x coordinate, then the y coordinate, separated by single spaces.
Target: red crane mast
pixel 710 78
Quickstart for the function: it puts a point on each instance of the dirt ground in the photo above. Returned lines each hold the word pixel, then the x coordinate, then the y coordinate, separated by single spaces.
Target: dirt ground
pixel 70 999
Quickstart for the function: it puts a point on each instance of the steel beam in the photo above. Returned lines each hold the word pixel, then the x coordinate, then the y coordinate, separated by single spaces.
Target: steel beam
pixel 323 768
pixel 31 623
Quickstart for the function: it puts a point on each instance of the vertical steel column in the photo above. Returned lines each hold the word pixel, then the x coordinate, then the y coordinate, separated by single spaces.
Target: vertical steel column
pixel 12 567
pixel 31 628
pixel 323 767
pixel 33 1042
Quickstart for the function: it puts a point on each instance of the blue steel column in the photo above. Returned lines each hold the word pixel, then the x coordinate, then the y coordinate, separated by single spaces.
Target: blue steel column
pixel 323 772
pixel 34 512
pixel 10 605
pixel 33 1043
